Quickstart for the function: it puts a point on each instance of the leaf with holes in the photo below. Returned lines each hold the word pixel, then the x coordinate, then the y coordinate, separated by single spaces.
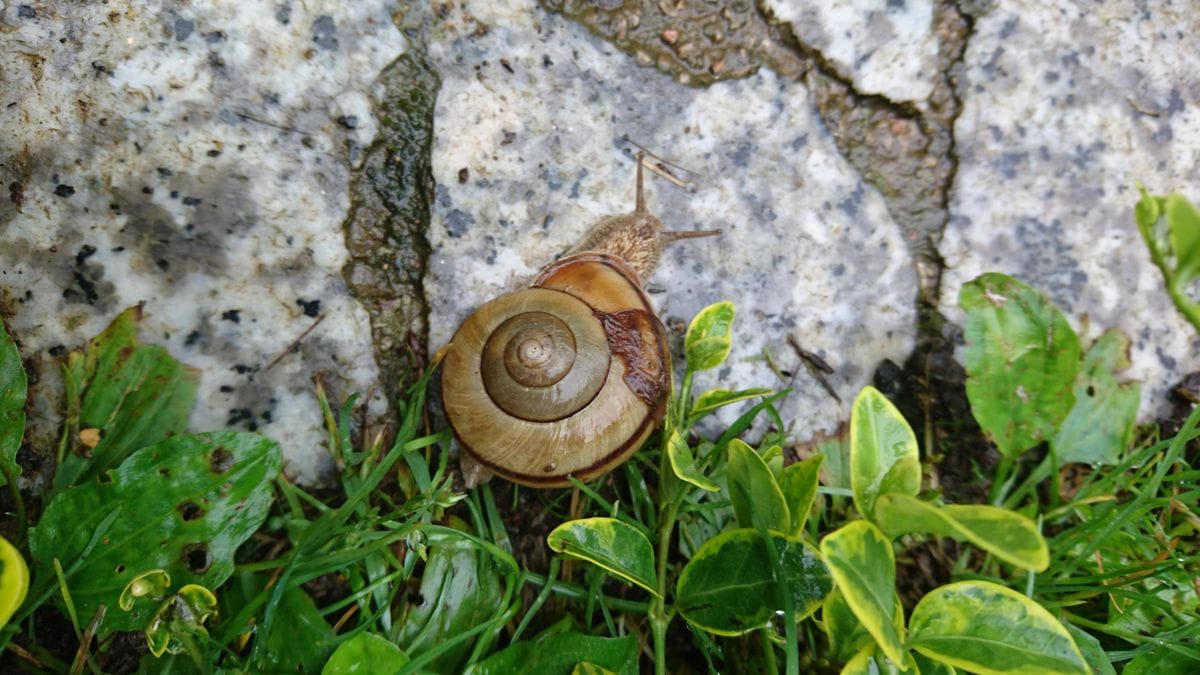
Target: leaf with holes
pixel 1021 358
pixel 126 394
pixel 1100 426
pixel 12 404
pixel 183 505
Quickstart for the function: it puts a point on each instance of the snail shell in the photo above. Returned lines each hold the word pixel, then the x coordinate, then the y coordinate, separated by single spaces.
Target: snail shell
pixel 566 378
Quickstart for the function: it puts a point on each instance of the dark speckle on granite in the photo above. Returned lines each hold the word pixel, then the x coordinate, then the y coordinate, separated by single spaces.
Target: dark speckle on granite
pixel 325 33
pixel 348 121
pixel 233 315
pixel 192 338
pixel 183 28
pixel 458 222
pixel 64 190
pixel 741 154
pixel 283 13
pixel 86 251
pixel 26 12
pixel 312 308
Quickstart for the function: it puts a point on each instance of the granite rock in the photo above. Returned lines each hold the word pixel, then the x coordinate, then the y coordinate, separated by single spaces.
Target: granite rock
pixel 190 157
pixel 537 121
pixel 884 47
pixel 1065 111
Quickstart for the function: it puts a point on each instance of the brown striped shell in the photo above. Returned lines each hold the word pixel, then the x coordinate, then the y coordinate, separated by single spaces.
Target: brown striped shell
pixel 566 378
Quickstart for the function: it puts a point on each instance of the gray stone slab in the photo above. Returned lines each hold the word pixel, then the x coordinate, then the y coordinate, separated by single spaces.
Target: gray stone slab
pixel 1066 108
pixel 883 46
pixel 530 152
pixel 192 158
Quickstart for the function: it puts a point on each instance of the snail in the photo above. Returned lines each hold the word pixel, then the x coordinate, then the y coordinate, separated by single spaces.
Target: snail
pixel 569 376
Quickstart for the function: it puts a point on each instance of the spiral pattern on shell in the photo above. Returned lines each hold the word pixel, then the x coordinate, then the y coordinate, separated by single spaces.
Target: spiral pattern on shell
pixel 565 378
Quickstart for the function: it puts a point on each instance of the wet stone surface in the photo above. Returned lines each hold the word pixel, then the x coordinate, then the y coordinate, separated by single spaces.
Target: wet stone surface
pixel 201 169
pixel 884 47
pixel 530 151
pixel 1065 111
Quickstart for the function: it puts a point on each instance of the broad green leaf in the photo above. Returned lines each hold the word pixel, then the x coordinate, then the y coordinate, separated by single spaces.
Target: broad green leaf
pixel 619 549
pixel 756 497
pixel 1005 534
pixel 563 654
pixel 986 628
pixel 883 451
pixel 1021 359
pixel 1100 425
pixel 460 589
pixel 713 399
pixel 14 580
pixel 863 566
pixel 183 505
pixel 709 337
pixel 683 463
pixel 365 654
pixel 300 640
pixel 798 482
pixel 728 587
pixel 133 394
pixel 13 386
pixel 846 633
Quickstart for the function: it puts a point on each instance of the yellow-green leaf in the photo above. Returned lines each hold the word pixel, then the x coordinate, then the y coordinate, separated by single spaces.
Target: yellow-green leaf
pixel 709 337
pixel 863 566
pixel 846 633
pixel 14 580
pixel 883 451
pixel 683 463
pixel 714 399
pixel 986 628
pixel 619 549
pixel 1005 534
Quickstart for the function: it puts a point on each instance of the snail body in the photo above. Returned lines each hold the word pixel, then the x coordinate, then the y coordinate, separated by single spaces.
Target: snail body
pixel 569 376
